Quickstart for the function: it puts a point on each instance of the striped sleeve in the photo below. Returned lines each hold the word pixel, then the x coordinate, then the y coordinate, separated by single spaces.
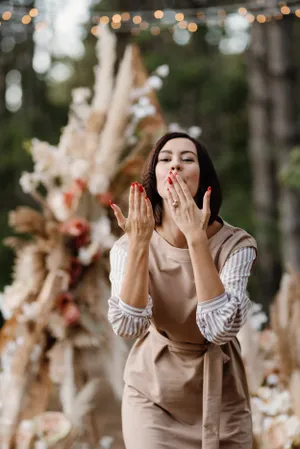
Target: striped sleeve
pixel 127 321
pixel 220 318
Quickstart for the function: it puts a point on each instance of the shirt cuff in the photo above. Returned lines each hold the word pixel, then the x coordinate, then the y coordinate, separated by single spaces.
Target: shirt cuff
pixel 213 304
pixel 136 311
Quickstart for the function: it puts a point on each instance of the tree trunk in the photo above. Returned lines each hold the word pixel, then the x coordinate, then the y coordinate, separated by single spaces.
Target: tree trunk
pixel 263 172
pixel 284 131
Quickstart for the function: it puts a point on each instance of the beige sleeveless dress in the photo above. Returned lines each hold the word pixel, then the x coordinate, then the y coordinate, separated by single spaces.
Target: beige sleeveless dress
pixel 182 392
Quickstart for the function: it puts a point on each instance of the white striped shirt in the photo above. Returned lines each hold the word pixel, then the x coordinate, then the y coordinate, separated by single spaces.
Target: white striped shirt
pixel 218 319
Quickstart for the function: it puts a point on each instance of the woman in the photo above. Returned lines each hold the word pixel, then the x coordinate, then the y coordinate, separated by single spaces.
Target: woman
pixel 179 276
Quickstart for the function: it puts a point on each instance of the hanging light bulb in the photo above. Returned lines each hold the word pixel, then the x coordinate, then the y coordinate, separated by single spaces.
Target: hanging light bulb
pixel 285 10
pixel 261 18
pixel 137 20
pixel 242 11
pixel 125 16
pixel 26 19
pixel 33 12
pixel 116 18
pixel 6 15
pixel 179 17
pixel 192 27
pixel 158 14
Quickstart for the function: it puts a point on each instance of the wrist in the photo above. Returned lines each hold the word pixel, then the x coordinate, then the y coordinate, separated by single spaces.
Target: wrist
pixel 139 243
pixel 198 237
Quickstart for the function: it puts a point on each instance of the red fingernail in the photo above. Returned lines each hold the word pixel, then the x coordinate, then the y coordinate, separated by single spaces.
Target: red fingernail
pixel 146 198
pixel 111 204
pixel 141 188
pixel 209 189
pixel 132 184
pixel 170 180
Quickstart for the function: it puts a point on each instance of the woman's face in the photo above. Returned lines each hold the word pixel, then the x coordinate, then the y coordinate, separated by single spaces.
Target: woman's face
pixel 178 155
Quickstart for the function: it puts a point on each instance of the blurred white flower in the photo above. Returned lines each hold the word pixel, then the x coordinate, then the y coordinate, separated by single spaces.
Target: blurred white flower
pixel 79 169
pixel 174 127
pixel 163 70
pixel 29 182
pixel 140 111
pixel 272 379
pixel 30 310
pixel 195 131
pixel 139 92
pixel 293 427
pixel 12 297
pixel 144 101
pixel 155 82
pixel 6 312
pixel 257 320
pixel 56 202
pixel 98 183
pixel 80 95
pixel 86 253
pixel 106 442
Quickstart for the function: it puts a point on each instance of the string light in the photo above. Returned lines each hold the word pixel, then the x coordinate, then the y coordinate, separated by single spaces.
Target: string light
pixel 242 11
pixel 250 18
pixel 192 27
pixel 104 20
pixel 179 17
pixel 116 18
pixel 26 19
pixel 189 19
pixel 137 20
pixel 33 12
pixel 95 30
pixel 182 25
pixel 158 14
pixel 6 15
pixel 261 18
pixel 125 16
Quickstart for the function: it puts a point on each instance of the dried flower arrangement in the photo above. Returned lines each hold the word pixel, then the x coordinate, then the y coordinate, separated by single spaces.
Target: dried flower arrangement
pixel 56 307
pixel 272 360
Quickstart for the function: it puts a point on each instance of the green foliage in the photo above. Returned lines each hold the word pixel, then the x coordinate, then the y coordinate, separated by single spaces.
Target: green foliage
pixel 290 175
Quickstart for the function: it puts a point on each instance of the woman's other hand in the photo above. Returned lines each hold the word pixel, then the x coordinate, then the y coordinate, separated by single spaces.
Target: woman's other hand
pixel 140 222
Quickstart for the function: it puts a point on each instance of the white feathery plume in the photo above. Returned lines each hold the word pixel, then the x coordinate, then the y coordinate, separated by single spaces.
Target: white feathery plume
pixel 104 71
pixel 68 388
pixel 83 403
pixel 111 137
pixel 295 392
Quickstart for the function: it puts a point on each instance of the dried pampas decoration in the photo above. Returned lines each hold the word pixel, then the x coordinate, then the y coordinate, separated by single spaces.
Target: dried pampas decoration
pixel 111 141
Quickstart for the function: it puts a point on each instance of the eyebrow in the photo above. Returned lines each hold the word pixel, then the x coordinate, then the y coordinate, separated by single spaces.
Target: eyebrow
pixel 182 152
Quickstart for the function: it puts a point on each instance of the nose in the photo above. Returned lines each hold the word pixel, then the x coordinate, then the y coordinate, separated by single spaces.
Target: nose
pixel 175 167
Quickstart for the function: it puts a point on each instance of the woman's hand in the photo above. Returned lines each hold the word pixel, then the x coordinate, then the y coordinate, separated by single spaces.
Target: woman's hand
pixel 140 222
pixel 187 216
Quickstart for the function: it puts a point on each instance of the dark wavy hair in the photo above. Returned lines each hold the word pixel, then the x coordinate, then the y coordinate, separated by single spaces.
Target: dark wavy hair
pixel 208 177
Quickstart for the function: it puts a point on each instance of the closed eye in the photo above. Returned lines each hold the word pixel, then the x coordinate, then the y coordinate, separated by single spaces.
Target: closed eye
pixel 184 160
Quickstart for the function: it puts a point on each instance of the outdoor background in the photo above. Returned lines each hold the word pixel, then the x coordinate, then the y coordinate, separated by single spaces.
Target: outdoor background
pixel 228 72
pixel 220 80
